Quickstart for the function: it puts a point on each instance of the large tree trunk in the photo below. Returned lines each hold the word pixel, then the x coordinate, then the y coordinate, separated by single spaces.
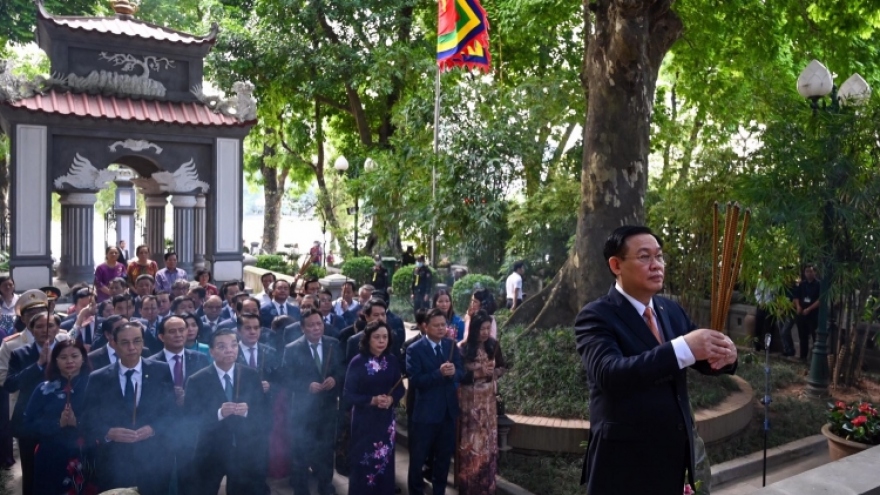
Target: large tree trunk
pixel 274 182
pixel 622 59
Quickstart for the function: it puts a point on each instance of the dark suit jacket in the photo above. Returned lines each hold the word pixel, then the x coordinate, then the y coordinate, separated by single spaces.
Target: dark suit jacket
pixel 152 344
pixel 247 436
pixel 336 321
pixel 299 370
pixel 268 312
pixel 435 395
pixel 268 362
pixel 192 362
pixel 294 331
pixel 638 394
pixel 145 464
pixel 100 357
pixel 23 377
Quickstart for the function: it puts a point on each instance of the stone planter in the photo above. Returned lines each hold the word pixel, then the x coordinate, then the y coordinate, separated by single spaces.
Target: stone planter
pixel 839 447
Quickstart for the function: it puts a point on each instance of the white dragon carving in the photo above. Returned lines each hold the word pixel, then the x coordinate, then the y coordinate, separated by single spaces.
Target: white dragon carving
pixel 184 179
pixel 84 175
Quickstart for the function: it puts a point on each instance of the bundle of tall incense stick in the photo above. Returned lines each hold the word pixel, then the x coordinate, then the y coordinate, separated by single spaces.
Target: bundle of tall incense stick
pixel 727 260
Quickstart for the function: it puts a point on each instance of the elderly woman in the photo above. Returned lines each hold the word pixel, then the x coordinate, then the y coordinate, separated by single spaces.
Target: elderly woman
pixel 373 387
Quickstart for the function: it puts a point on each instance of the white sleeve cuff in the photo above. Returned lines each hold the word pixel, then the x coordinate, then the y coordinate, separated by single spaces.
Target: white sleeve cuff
pixel 219 416
pixel 683 353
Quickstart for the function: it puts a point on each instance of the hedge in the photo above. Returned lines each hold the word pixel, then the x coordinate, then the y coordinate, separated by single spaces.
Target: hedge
pixel 403 279
pixel 359 269
pixel 462 290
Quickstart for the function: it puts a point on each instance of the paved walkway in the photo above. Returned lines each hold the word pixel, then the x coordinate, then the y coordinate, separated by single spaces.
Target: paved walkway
pixel 753 483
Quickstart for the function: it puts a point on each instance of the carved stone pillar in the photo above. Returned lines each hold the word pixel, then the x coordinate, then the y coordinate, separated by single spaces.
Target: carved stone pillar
pixel 77 234
pixel 200 225
pixel 154 235
pixel 184 230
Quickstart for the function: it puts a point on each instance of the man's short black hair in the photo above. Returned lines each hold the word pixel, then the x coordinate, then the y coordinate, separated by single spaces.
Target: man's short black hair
pixel 160 328
pixel 178 301
pixel 309 312
pixel 615 245
pixel 199 291
pixel 239 303
pixel 149 297
pixel 433 313
pixel 232 283
pixel 107 324
pixel 170 254
pixel 518 265
pixel 249 316
pixel 326 292
pixel 312 280
pixel 220 333
pixel 349 283
pixel 372 303
pixel 145 276
pixel 268 274
pixel 130 324
pixel 118 298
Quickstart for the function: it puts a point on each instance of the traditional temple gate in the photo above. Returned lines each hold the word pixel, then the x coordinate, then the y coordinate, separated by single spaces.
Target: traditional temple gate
pixel 123 92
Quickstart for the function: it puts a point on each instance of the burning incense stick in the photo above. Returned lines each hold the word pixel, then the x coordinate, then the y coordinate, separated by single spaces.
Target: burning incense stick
pixel 399 381
pixel 237 382
pixel 327 362
pixel 726 270
pixel 451 352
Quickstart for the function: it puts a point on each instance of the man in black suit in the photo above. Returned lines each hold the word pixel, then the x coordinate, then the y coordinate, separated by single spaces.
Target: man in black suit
pixel 434 368
pixel 295 330
pixel 182 363
pixel 636 348
pixel 312 368
pixel 235 308
pixel 105 355
pixel 211 320
pixel 26 370
pixel 258 356
pixel 325 307
pixel 279 304
pixel 150 316
pixel 232 412
pixel 85 325
pixel 129 413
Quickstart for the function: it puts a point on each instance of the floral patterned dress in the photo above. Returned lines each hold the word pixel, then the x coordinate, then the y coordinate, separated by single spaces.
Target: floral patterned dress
pixel 371 450
pixel 58 462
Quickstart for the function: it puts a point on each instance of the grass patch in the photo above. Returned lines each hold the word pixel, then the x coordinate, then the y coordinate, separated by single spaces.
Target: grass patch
pixel 545 474
pixel 707 391
pixel 546 377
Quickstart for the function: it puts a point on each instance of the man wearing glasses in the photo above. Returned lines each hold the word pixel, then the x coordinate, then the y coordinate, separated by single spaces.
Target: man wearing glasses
pixel 636 348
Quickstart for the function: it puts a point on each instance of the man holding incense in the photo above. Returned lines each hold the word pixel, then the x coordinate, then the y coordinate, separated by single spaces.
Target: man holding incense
pixel 129 413
pixel 636 348
pixel 312 368
pixel 229 405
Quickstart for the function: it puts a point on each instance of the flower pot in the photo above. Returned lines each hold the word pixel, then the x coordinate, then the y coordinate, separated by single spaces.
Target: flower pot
pixel 839 447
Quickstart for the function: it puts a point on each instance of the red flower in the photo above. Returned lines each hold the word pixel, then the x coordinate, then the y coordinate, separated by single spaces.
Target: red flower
pixel 840 405
pixel 859 421
pixel 864 407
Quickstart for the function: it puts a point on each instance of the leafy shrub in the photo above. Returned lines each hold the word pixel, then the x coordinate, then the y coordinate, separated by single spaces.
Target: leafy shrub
pixel 402 307
pixel 403 278
pixel 359 269
pixel 315 271
pixel 462 290
pixel 273 262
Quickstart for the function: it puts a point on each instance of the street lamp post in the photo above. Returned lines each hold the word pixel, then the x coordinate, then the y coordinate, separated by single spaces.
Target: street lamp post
pixel 341 165
pixel 814 83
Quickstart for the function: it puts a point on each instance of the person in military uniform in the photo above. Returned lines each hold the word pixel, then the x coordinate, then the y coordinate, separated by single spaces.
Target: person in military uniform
pixel 421 287
pixel 52 294
pixel 30 303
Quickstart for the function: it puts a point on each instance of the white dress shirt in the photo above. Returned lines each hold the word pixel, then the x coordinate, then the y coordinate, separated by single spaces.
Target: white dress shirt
pixel 682 351
pixel 136 378
pixel 246 352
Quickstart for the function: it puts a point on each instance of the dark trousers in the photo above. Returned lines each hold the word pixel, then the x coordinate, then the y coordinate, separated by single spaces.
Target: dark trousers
pixel 242 476
pixel 787 340
pixel 312 446
pixel 430 439
pixel 26 447
pixel 807 326
pixel 510 303
pixel 419 301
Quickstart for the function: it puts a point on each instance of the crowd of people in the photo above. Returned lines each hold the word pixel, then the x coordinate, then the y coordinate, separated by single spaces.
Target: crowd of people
pixel 154 381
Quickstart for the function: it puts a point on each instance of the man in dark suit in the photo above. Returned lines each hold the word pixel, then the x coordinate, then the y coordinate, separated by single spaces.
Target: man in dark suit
pixel 434 368
pixel 279 305
pixel 150 316
pixel 182 363
pixel 85 325
pixel 325 307
pixel 105 355
pixel 232 412
pixel 230 291
pixel 123 306
pixel 238 306
pixel 295 330
pixel 129 412
pixel 26 370
pixel 312 368
pixel 211 320
pixel 635 347
pixel 258 356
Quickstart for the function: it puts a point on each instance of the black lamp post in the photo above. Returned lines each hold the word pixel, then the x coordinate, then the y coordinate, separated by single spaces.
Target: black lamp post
pixel 814 83
pixel 341 165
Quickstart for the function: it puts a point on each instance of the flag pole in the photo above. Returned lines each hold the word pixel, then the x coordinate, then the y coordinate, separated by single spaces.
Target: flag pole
pixel 434 163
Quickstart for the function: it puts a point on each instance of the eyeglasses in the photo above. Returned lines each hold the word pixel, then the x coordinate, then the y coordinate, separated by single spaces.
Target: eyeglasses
pixel 645 259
